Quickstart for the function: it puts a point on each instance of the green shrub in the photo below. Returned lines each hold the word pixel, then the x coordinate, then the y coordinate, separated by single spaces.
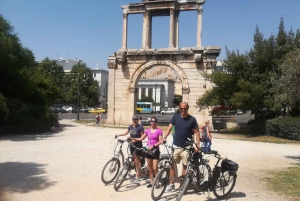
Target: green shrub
pixel 30 118
pixel 284 127
pixel 256 126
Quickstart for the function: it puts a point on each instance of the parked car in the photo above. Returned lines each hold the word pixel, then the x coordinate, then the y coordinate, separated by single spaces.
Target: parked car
pixel 238 112
pixel 86 110
pixel 68 109
pixel 168 111
pixel 58 110
pixel 97 110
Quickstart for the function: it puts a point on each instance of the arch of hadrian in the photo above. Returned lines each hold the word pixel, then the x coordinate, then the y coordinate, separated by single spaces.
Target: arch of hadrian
pixel 127 65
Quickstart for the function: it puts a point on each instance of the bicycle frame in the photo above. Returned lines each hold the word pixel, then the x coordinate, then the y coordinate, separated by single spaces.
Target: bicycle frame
pixel 170 160
pixel 119 153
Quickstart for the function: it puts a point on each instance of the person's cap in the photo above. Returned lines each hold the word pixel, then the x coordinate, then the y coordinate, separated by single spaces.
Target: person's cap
pixel 135 118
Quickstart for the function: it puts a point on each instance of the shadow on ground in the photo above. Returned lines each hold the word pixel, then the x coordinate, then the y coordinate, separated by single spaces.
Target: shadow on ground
pixel 36 136
pixel 23 177
pixel 296 158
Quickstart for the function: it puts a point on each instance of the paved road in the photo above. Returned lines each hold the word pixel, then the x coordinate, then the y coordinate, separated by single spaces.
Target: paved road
pixel 66 166
pixel 244 118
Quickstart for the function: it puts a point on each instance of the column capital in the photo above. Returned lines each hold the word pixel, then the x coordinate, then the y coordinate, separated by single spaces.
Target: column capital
pixel 200 10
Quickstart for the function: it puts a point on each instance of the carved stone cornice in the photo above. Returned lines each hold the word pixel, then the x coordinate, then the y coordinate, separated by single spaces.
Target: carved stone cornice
pixel 111 64
pixel 132 90
pixel 185 90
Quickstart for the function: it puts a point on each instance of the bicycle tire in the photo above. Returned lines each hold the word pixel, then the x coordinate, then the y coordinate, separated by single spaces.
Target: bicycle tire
pixel 160 183
pixel 161 163
pixel 204 174
pixel 227 179
pixel 183 187
pixel 121 177
pixel 113 167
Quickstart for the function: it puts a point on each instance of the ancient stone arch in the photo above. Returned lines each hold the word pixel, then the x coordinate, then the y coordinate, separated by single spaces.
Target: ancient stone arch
pixel 126 66
pixel 140 70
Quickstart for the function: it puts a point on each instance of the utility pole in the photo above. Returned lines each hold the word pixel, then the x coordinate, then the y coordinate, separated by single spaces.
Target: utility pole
pixel 78 98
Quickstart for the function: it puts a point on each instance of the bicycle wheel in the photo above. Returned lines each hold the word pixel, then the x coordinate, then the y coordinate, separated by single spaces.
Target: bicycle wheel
pixel 110 170
pixel 225 184
pixel 183 187
pixel 121 177
pixel 204 173
pixel 160 183
pixel 162 163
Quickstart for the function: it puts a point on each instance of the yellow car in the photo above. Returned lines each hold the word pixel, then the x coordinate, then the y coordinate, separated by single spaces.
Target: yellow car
pixel 97 110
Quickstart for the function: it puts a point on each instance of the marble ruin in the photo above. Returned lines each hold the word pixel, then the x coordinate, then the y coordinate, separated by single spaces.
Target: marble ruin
pixel 127 65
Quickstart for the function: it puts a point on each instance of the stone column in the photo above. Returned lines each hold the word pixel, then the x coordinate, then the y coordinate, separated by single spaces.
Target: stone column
pixel 199 27
pixel 172 28
pixel 125 25
pixel 146 30
pixel 111 91
pixel 140 93
pixel 177 30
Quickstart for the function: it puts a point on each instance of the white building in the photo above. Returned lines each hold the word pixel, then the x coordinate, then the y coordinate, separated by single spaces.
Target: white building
pixel 160 90
pixel 101 76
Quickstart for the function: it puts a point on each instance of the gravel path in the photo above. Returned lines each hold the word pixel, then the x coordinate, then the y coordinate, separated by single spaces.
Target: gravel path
pixel 67 166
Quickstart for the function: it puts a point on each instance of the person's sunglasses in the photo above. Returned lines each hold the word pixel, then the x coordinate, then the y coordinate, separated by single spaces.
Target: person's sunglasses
pixel 184 108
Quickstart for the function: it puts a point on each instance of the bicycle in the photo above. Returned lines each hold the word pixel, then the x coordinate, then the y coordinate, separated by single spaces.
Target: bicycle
pixel 112 167
pixel 222 177
pixel 196 164
pixel 129 165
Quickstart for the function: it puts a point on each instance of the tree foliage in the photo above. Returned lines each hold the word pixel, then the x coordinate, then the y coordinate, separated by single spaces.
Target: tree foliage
pixel 250 76
pixel 27 89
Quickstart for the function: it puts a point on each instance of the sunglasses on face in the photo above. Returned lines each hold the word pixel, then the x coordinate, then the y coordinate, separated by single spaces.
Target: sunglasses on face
pixel 184 108
pixel 152 121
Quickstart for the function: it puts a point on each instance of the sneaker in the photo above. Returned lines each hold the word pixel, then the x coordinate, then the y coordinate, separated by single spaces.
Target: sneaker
pixel 170 188
pixel 149 185
pixel 135 180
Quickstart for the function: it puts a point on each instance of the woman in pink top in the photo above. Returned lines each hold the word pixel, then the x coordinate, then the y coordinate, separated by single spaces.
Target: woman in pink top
pixel 154 135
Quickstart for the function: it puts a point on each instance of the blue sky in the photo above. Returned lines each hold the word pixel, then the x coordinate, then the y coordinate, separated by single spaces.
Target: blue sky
pixel 91 30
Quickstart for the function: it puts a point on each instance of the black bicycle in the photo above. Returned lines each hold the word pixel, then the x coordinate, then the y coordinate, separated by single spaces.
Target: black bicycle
pixel 112 167
pixel 222 180
pixel 198 169
pixel 129 165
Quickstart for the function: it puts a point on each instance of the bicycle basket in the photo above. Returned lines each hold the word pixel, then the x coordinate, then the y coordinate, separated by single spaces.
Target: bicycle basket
pixel 228 165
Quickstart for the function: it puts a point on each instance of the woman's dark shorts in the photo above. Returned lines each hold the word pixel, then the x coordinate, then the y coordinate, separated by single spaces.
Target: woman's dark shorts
pixel 155 157
pixel 137 152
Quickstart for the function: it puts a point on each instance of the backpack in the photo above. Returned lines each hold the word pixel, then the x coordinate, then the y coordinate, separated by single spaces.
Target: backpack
pixel 228 165
pixel 98 118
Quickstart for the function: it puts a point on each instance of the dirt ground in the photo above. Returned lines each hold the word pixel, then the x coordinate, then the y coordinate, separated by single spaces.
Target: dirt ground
pixel 67 166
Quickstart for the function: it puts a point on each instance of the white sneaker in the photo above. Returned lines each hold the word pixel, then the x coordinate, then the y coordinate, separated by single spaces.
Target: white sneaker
pixel 170 188
pixel 135 180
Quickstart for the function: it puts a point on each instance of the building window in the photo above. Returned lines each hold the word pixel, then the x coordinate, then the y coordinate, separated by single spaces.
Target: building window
pixel 150 93
pixel 143 94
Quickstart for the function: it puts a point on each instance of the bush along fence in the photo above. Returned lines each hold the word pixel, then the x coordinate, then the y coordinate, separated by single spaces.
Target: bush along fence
pixel 284 127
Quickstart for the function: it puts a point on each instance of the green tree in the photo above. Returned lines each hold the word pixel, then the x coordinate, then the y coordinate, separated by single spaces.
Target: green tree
pixel 250 76
pixel 88 88
pixel 22 101
pixel 146 99
pixel 286 89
